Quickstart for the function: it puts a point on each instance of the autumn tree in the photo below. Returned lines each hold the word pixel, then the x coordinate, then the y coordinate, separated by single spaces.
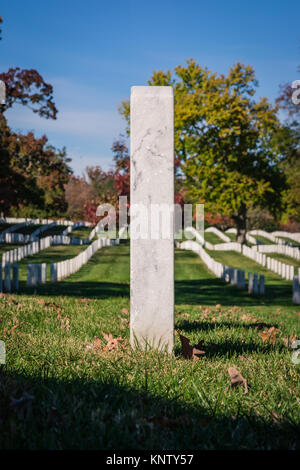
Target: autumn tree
pixel 32 172
pixel 224 140
pixel 289 140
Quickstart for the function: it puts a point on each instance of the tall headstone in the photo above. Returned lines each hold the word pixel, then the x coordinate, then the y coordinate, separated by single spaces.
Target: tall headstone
pixel 15 278
pixel 7 277
pixel 296 291
pixel 262 284
pixel 152 182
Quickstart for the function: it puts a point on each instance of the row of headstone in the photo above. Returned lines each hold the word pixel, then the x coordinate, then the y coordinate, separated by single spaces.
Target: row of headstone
pixel 282 269
pixel 63 269
pixel 12 237
pixel 35 235
pixel 219 233
pixel 265 234
pixel 234 276
pixel 74 226
pixel 292 252
pixel 293 236
pixel 4 236
pixel 10 282
pixel 255 285
pixel 37 272
pixel 24 251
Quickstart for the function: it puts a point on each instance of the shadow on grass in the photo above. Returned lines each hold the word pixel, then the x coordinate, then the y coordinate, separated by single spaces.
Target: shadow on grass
pixel 93 290
pixel 101 414
pixel 215 291
pixel 191 292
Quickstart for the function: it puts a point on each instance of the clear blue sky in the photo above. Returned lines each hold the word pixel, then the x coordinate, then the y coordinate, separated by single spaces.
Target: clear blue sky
pixel 93 51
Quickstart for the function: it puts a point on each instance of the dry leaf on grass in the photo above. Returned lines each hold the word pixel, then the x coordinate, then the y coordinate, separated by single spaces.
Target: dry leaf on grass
pixel 237 378
pixel 96 344
pixel 188 351
pixel 125 311
pixel 112 343
pixel 65 324
pixel 289 341
pixel 269 334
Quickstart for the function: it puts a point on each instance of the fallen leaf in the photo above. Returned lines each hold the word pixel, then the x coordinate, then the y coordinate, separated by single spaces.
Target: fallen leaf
pixel 112 343
pixel 189 351
pixel 125 311
pixel 65 324
pixel 269 334
pixel 237 378
pixel 289 341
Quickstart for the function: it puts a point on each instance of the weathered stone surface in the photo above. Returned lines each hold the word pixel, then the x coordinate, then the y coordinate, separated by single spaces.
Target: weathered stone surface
pixel 152 182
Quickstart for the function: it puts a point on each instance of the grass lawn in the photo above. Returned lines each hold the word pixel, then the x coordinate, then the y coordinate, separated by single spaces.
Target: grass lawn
pixel 9 246
pixel 290 241
pixel 52 254
pixel 264 240
pixel 62 389
pixel 212 238
pixel 285 259
pixel 81 232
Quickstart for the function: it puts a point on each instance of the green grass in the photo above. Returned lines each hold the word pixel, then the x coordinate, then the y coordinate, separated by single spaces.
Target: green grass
pixel 264 240
pixel 82 232
pixel 9 246
pixel 285 259
pixel 290 241
pixel 73 397
pixel 212 238
pixel 52 254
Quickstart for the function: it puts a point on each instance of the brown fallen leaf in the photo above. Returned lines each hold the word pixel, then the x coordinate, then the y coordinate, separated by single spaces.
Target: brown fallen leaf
pixel 289 341
pixel 237 378
pixel 269 334
pixel 188 351
pixel 96 344
pixel 112 343
pixel 125 311
pixel 244 358
pixel 65 324
pixel 186 315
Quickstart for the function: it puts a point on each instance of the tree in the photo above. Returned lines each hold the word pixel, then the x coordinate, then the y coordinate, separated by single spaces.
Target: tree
pixel 289 140
pixel 224 140
pixel 32 172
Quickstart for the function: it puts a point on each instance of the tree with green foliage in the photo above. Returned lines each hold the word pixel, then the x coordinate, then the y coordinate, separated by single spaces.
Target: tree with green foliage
pixel 33 173
pixel 225 140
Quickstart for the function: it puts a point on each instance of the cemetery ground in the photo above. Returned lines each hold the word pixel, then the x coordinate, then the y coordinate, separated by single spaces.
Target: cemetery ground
pixel 67 385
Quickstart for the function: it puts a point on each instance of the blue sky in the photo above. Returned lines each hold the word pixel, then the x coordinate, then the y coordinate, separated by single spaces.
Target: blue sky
pixel 92 52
